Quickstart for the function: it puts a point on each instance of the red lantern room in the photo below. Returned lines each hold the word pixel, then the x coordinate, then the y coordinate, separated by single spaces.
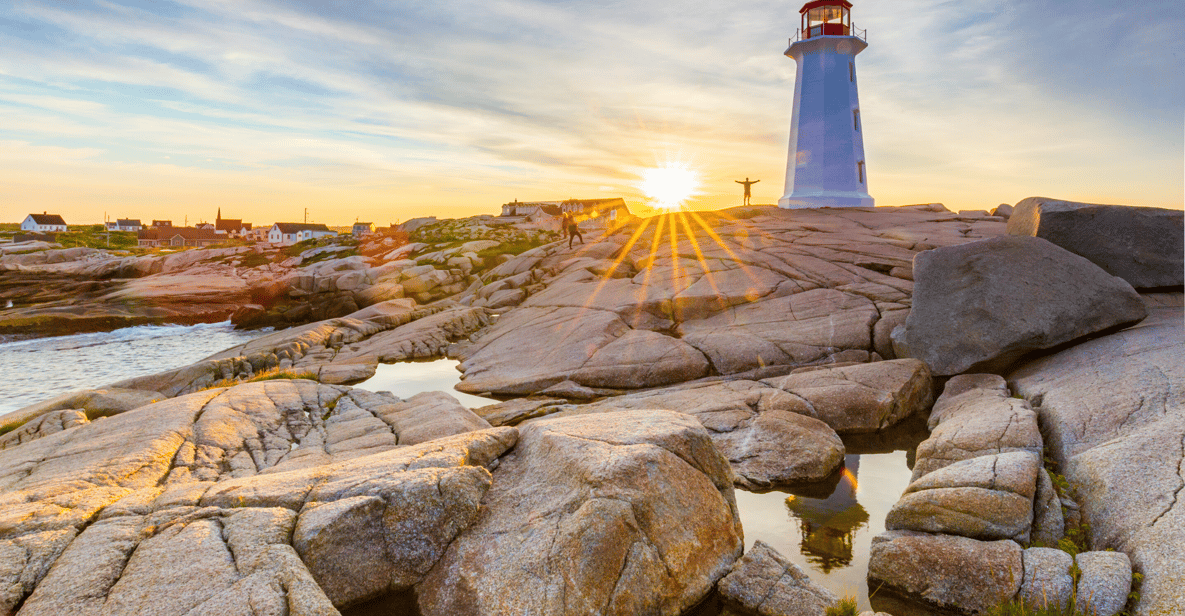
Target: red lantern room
pixel 826 18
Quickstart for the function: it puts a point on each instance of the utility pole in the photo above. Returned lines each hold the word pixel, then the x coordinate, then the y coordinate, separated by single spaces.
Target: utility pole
pixel 306 215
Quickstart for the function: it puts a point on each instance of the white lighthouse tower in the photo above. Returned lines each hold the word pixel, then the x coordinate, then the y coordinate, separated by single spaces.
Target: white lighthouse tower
pixel 826 163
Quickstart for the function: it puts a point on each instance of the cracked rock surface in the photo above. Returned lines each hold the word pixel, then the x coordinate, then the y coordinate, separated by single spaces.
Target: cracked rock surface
pixel 623 513
pixel 294 497
pixel 777 431
pixel 265 488
pixel 676 298
pixel 1113 409
pixel 768 583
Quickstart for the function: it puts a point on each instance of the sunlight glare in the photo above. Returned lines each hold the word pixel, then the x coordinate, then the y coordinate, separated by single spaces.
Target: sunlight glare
pixel 670 185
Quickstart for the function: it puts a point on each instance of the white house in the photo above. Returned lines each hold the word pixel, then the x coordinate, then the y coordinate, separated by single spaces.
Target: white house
pixel 362 228
pixel 293 232
pixel 125 224
pixel 44 223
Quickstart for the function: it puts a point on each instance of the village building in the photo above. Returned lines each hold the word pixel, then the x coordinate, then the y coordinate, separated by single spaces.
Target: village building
pixel 124 224
pixel 285 233
pixel 177 236
pixel 44 223
pixel 587 212
pixel 162 223
pixel 233 227
pixel 362 229
pixel 256 234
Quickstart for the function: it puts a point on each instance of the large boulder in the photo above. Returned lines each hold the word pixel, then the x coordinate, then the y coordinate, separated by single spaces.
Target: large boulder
pixel 1113 410
pixel 982 306
pixel 989 497
pixel 947 571
pixel 862 397
pixel 766 582
pixel 627 513
pixel 767 435
pixel 1143 245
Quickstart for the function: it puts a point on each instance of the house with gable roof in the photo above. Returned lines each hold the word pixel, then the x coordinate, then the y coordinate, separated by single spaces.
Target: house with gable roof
pixel 44 223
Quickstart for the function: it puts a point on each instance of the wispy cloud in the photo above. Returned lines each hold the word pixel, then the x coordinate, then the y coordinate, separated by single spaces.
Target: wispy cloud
pixel 390 109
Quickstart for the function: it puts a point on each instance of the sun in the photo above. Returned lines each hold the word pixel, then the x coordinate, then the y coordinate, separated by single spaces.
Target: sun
pixel 670 185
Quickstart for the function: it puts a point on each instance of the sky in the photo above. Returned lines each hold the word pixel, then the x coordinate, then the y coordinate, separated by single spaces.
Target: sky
pixel 384 111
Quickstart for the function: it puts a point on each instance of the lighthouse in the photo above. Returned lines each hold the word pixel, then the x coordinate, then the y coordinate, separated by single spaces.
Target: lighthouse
pixel 826 166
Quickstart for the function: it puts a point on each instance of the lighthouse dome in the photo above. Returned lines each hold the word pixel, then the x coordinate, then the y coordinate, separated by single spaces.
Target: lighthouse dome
pixel 826 18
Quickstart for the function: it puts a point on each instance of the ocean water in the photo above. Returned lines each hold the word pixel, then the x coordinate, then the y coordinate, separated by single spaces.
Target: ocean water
pixel 40 368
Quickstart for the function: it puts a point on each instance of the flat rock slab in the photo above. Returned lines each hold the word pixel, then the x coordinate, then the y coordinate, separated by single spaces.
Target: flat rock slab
pixel 980 421
pixel 624 513
pixel 988 497
pixel 947 571
pixel 714 294
pixel 768 583
pixel 1143 245
pixel 980 307
pixel 1114 413
pixel 863 397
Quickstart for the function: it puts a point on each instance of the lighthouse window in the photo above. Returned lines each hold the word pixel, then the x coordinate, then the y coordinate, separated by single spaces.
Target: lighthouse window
pixel 860 171
pixel 856 119
pixel 852 72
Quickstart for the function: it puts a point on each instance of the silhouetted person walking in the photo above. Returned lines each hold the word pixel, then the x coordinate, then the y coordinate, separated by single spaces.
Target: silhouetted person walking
pixel 748 193
pixel 572 229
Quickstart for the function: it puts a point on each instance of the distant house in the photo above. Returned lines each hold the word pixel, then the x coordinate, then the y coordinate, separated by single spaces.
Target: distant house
pixel 178 236
pixel 124 224
pixel 233 227
pixel 204 225
pixel 597 212
pixel 256 234
pixel 44 223
pixel 362 228
pixel 292 232
pixel 162 223
pixel 532 210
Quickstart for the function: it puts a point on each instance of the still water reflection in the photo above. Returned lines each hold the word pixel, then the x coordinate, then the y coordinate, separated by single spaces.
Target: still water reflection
pixel 826 528
pixel 406 379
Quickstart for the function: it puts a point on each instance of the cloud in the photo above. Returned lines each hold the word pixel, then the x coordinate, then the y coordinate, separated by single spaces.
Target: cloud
pixel 970 102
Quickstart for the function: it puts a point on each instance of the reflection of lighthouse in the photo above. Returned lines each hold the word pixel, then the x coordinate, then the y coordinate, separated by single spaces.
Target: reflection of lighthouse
pixel 826 167
pixel 828 524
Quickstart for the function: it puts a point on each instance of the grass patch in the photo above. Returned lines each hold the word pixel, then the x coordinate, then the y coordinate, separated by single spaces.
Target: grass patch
pixel 845 607
pixel 96 236
pixel 297 248
pixel 515 247
pixel 1018 607
pixel 330 254
pixel 12 426
pixel 267 375
pixel 255 259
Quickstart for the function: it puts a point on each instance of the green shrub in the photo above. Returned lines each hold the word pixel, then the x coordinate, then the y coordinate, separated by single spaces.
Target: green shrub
pixel 254 259
pixel 846 607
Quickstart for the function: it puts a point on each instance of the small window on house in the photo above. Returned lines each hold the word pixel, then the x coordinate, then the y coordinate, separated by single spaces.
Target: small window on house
pixel 852 72
pixel 860 171
pixel 856 119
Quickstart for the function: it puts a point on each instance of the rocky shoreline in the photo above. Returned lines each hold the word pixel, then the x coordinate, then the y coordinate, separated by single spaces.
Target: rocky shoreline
pixel 647 375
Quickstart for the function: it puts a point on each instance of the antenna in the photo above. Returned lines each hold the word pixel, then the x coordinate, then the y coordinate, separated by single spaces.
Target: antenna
pixel 306 215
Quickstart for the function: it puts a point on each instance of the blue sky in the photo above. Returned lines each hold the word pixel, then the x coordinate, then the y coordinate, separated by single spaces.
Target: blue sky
pixel 383 111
